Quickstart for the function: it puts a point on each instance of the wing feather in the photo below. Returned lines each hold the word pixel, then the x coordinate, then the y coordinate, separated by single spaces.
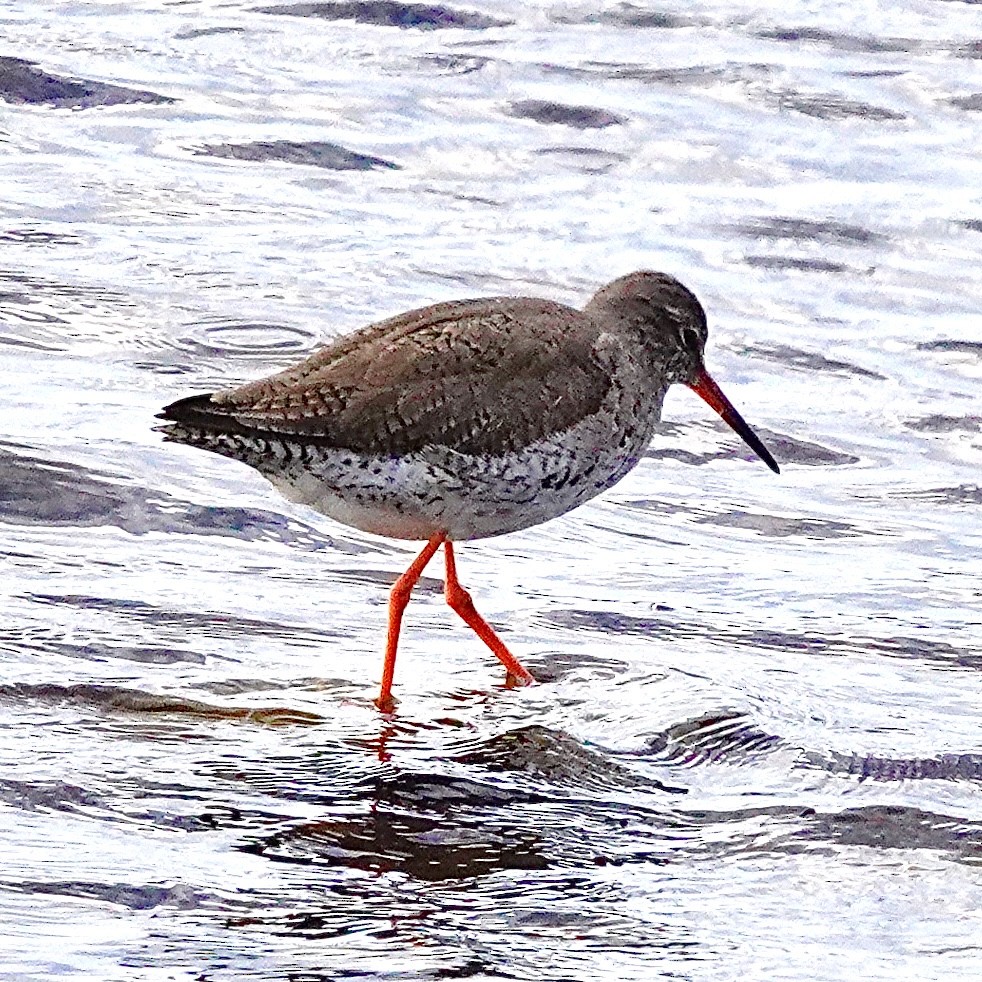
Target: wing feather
pixel 474 376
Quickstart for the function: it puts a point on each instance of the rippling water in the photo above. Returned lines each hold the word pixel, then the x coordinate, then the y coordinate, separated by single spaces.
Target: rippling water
pixel 756 751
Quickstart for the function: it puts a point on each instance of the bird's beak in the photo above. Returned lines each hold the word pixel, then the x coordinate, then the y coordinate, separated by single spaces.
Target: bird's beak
pixel 705 387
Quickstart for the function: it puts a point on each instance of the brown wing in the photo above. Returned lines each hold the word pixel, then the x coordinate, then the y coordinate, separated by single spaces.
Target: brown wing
pixel 474 376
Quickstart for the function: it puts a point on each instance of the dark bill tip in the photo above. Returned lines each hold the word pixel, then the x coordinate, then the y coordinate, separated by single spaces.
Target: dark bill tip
pixel 707 389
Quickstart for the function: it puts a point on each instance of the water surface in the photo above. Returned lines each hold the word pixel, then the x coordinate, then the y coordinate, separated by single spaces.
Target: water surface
pixel 756 748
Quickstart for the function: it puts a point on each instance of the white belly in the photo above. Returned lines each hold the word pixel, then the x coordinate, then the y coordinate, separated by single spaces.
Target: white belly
pixel 463 496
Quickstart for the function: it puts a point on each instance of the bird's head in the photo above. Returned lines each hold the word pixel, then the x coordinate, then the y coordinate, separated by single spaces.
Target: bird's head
pixel 670 324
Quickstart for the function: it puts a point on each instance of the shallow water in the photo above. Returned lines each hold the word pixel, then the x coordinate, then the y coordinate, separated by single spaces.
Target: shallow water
pixel 756 749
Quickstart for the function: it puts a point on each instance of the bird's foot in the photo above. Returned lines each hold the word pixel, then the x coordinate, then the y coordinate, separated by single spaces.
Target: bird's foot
pixel 386 704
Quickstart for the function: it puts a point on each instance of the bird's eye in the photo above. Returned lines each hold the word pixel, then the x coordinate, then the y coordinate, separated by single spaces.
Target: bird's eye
pixel 690 339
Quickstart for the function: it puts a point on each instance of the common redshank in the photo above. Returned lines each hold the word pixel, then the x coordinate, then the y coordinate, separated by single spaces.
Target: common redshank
pixel 467 419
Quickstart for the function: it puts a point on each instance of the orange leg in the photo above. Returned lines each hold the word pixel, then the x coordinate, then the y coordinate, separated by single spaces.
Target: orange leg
pixel 460 601
pixel 398 598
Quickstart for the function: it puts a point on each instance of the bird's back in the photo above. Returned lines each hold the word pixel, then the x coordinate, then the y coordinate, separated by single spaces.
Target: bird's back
pixel 476 376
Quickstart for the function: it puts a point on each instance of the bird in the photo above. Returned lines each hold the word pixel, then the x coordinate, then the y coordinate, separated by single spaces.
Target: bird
pixel 467 419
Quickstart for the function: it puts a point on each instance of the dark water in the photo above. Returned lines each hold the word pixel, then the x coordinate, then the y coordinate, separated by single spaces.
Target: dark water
pixel 756 750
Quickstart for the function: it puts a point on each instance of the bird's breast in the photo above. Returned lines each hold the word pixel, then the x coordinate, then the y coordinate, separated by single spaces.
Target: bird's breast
pixel 439 489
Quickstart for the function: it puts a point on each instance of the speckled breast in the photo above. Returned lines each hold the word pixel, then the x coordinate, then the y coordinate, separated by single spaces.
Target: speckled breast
pixel 465 496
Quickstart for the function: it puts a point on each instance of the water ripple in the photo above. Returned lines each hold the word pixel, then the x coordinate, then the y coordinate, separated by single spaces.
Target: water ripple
pixel 756 721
